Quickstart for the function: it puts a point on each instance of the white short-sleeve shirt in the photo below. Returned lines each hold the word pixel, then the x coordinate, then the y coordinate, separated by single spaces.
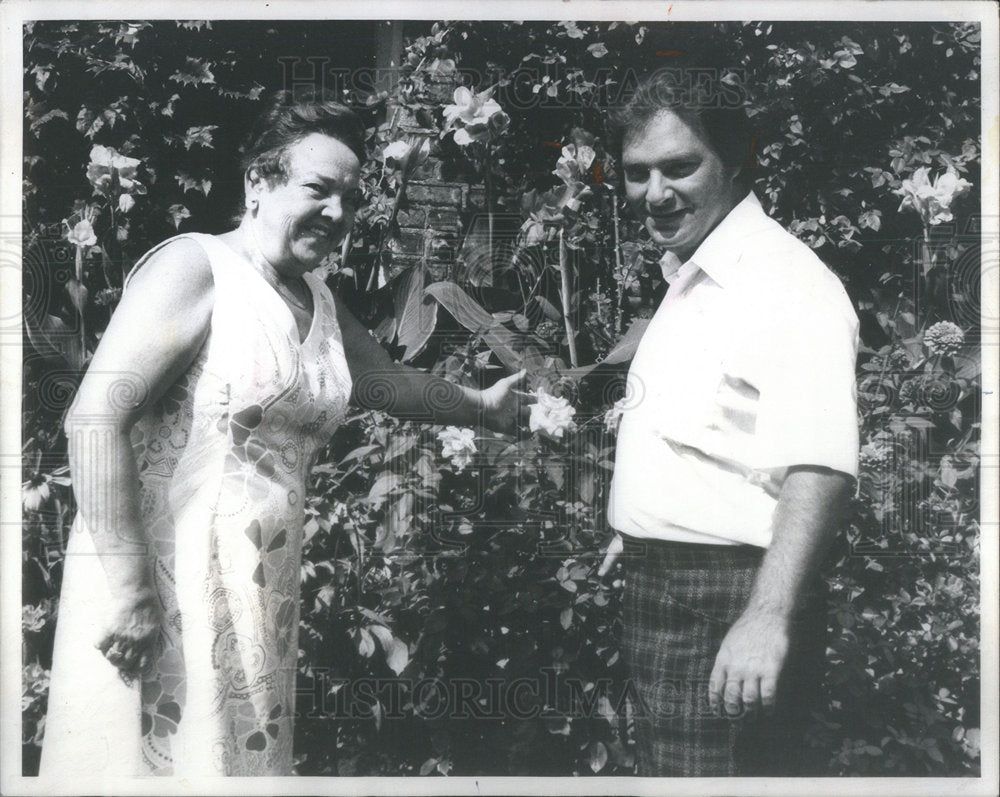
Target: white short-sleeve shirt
pixel 746 369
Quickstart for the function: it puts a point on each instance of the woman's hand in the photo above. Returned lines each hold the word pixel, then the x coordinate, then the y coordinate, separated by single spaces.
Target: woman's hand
pixel 131 631
pixel 503 406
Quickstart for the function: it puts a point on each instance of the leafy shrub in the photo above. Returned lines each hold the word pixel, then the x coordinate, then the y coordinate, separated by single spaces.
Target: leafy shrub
pixel 452 619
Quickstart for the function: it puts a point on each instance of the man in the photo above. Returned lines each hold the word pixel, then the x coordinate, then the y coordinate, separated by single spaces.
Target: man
pixel 736 459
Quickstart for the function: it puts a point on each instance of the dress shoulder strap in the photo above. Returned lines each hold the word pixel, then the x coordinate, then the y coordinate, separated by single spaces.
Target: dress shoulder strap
pixel 220 256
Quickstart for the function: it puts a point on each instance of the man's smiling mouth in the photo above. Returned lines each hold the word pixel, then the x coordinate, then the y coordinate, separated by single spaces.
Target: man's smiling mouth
pixel 660 218
pixel 321 231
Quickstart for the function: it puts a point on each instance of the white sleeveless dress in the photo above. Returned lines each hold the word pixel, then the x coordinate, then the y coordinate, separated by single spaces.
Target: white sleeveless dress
pixel 223 462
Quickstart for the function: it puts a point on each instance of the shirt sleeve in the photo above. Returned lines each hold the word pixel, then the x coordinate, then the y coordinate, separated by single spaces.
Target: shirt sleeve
pixel 807 410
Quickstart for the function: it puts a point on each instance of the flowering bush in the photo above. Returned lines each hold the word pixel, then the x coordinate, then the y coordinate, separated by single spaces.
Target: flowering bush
pixel 439 557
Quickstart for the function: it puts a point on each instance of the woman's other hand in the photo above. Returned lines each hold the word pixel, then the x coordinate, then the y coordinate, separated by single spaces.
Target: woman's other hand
pixel 130 635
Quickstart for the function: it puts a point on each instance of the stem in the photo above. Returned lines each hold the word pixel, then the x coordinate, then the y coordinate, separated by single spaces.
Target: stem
pixel 929 261
pixel 345 248
pixel 618 264
pixel 489 209
pixel 357 578
pixel 79 310
pixel 389 225
pixel 564 295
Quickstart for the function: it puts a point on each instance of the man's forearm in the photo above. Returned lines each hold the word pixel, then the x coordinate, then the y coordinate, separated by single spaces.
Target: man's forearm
pixel 810 508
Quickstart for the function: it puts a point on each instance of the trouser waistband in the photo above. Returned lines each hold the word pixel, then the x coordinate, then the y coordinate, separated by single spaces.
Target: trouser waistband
pixel 689 554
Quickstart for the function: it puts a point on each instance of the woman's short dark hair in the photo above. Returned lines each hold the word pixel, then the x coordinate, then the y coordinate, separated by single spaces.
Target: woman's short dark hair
pixel 715 109
pixel 290 117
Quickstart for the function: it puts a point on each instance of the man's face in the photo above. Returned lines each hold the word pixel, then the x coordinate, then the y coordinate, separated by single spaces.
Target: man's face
pixel 676 183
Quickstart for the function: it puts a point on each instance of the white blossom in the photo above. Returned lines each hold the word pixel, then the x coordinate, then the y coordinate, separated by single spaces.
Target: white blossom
pixel 614 415
pixel 458 445
pixel 406 155
pixel 944 337
pixel 551 415
pixel 81 234
pixel 932 198
pixel 474 117
pixel 104 161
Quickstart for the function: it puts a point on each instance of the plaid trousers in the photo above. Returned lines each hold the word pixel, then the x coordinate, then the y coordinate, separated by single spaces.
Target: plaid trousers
pixel 680 600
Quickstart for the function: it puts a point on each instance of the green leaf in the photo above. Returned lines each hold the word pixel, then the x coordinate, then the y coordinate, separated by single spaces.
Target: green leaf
pixel 202 136
pixel 77 293
pixel 598 756
pixel 471 315
pixel 47 117
pixel 397 656
pixel 51 337
pixel 400 445
pixel 416 313
pixel 384 484
pixel 189 183
pixel 428 766
pixel 195 72
pixel 177 214
pixel 366 645
pixel 548 309
pixel 623 351
pixel 359 453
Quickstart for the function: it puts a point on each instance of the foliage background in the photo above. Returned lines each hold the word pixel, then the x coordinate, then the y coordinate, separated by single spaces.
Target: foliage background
pixel 420 566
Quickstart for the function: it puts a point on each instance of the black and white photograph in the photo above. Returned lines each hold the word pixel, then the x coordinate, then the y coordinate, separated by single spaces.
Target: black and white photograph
pixel 549 398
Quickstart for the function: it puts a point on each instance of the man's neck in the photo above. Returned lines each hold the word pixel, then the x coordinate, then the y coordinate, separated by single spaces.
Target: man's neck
pixel 683 254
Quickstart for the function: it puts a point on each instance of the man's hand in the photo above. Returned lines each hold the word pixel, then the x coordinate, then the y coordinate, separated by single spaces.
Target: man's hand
pixel 503 405
pixel 749 663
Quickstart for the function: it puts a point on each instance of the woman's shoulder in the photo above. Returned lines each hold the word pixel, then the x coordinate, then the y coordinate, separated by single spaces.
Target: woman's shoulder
pixel 181 261
pixel 176 274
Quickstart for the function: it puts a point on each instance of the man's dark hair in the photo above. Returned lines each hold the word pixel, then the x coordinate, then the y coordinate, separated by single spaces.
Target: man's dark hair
pixel 290 117
pixel 709 109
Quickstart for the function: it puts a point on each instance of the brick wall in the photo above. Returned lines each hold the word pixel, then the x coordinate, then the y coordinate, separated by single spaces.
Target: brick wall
pixel 436 211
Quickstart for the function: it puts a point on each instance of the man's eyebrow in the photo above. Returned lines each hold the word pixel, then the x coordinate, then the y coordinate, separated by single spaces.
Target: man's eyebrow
pixel 311 176
pixel 680 160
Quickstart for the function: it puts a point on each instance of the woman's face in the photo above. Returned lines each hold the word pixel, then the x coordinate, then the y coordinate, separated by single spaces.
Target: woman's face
pixel 301 219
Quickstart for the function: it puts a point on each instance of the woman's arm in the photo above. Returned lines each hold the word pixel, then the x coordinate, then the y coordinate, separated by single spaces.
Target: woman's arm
pixel 153 336
pixel 380 383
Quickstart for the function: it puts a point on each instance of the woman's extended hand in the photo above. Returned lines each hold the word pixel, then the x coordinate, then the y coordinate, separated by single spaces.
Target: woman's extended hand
pixel 131 631
pixel 503 406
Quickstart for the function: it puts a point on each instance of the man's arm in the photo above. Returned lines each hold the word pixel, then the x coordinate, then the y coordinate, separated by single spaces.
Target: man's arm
pixel 810 508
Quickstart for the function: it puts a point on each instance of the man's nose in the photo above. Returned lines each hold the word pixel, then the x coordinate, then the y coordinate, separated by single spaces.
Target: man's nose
pixel 658 189
pixel 333 208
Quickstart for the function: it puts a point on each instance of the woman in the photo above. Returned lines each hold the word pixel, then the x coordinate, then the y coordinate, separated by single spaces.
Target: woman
pixel 225 369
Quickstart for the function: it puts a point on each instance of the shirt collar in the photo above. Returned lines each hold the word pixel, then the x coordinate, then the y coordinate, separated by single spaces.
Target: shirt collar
pixel 720 252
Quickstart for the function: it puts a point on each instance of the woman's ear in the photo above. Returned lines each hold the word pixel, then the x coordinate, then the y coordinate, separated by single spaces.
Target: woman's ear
pixel 252 182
